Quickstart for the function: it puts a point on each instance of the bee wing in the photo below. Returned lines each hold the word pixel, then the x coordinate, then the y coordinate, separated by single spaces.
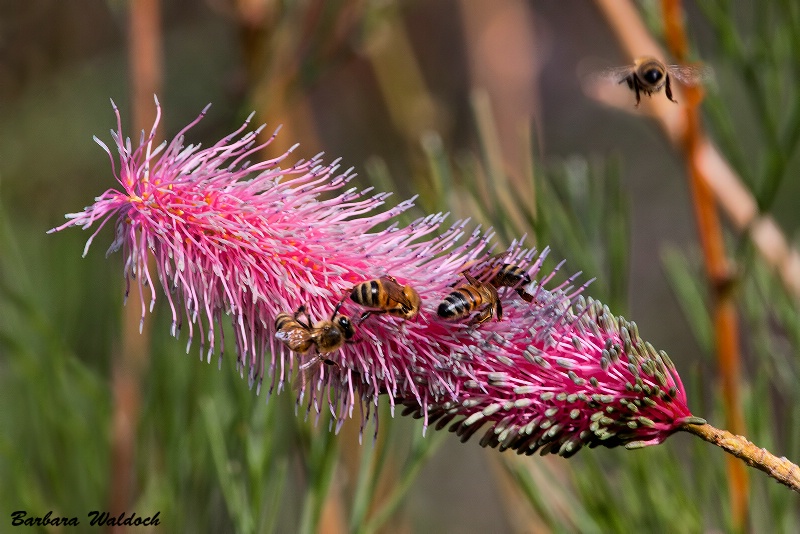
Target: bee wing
pixel 310 362
pixel 395 291
pixel 473 281
pixel 293 337
pixel 610 74
pixel 691 74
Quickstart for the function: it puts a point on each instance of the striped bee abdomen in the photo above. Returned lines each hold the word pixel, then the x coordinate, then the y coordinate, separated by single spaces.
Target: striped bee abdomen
pixel 369 294
pixel 511 276
pixel 460 303
pixel 386 295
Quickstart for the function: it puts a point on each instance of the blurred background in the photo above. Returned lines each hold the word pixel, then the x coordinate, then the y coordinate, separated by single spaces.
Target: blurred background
pixel 478 107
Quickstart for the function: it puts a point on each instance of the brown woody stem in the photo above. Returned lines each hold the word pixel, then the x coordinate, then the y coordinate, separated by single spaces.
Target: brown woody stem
pixel 781 469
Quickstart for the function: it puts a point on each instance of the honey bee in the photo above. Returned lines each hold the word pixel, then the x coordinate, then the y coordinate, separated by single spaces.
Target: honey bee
pixel 470 297
pixel 386 295
pixel 327 336
pixel 503 275
pixel 648 75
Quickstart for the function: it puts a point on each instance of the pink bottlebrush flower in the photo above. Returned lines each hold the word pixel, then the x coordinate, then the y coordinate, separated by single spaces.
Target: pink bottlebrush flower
pixel 254 240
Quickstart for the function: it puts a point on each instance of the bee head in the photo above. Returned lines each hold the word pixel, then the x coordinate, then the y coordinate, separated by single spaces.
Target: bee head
pixel 345 326
pixel 652 75
pixel 413 297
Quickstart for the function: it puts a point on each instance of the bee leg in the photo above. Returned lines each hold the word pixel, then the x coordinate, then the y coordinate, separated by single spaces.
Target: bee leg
pixel 636 90
pixel 527 297
pixel 499 310
pixel 668 89
pixel 482 317
pixel 370 312
pixel 629 80
pixel 300 311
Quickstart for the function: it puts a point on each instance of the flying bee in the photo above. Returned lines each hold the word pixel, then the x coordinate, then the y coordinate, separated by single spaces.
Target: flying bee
pixel 327 335
pixel 386 295
pixel 648 75
pixel 475 295
pixel 503 275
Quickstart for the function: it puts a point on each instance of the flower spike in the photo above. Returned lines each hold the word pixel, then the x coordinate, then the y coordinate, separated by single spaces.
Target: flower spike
pixel 252 240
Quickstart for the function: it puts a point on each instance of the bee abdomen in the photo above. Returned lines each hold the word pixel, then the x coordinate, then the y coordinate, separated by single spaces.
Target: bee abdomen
pixel 458 303
pixel 282 320
pixel 510 276
pixel 367 294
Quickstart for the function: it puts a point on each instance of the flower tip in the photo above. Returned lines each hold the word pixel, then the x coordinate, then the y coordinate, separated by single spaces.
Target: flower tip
pixel 692 420
pixel 633 445
pixel 113 106
pixel 101 143
pixel 155 99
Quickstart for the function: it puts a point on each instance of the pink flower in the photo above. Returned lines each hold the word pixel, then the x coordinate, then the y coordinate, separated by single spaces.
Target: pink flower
pixel 253 240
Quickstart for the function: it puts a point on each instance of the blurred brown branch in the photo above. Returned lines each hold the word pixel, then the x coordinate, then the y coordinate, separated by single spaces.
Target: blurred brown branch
pixel 145 55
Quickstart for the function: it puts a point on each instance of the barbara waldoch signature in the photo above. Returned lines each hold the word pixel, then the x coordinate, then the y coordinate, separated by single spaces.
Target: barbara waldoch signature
pixel 96 519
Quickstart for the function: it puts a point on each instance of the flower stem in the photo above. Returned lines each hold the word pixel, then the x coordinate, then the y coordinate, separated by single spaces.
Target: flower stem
pixel 780 469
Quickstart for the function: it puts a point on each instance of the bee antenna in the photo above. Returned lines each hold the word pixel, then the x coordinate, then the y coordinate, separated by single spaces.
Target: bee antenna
pixel 338 305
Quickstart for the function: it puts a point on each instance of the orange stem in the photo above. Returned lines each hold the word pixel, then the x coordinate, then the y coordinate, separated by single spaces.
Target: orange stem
pixel 718 271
